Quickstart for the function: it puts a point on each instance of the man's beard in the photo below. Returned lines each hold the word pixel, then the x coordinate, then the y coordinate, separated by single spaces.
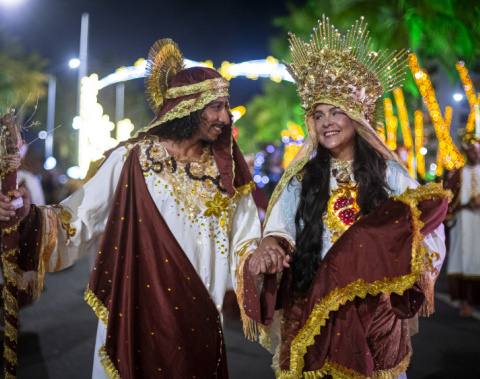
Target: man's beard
pixel 207 139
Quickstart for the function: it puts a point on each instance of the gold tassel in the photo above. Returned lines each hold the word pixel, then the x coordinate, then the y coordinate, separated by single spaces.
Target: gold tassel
pixel 426 283
pixel 251 329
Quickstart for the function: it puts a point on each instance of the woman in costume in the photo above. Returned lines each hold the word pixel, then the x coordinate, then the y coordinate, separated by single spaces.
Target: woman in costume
pixel 359 248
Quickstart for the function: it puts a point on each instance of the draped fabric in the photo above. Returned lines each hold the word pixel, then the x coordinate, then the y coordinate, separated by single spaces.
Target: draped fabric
pixel 346 325
pixel 144 288
pixel 231 165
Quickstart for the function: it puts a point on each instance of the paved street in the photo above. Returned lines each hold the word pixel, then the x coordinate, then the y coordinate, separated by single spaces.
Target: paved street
pixel 57 338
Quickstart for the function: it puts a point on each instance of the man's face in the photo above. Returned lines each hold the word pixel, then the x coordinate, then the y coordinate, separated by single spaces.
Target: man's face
pixel 215 117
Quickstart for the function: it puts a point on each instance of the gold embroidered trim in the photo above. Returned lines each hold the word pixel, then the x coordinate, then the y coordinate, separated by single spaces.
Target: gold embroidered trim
pixel 360 288
pixel 187 107
pixel 100 310
pixel 206 85
pixel 107 364
pixel 244 190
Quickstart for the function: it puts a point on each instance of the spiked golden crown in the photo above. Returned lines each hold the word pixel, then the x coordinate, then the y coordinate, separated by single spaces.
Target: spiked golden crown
pixel 344 71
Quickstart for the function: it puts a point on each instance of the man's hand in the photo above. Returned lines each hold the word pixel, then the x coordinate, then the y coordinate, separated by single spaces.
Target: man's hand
pixel 268 258
pixel 7 210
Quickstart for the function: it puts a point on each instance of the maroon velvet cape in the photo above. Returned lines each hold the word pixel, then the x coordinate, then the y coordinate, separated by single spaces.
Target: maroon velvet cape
pixel 161 321
pixel 379 254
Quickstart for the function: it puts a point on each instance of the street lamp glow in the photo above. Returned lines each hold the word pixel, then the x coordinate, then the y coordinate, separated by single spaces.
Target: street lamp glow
pixel 50 163
pixel 457 96
pixel 10 3
pixel 74 63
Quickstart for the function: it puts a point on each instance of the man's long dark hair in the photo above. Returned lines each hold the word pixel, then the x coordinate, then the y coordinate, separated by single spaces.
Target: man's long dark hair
pixel 369 168
pixel 180 129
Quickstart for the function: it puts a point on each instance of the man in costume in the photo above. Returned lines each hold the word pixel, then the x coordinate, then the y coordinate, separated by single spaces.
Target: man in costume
pixel 357 244
pixel 174 212
pixel 463 221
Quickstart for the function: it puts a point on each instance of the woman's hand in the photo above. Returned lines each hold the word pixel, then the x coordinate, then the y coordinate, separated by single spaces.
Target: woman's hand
pixel 268 258
pixel 7 210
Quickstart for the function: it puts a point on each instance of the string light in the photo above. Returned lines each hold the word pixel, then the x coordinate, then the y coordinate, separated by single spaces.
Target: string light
pixel 419 143
pixel 392 123
pixel 293 138
pixel 407 134
pixel 451 156
pixel 441 144
pixel 473 100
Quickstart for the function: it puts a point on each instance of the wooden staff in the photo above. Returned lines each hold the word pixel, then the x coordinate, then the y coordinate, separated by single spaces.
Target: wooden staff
pixel 10 143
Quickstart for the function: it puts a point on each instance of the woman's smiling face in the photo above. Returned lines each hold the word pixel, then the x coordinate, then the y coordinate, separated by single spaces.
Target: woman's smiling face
pixel 335 131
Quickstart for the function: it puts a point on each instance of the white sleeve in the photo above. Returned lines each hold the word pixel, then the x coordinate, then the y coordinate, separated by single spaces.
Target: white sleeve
pixel 84 214
pixel 245 232
pixel 399 180
pixel 281 222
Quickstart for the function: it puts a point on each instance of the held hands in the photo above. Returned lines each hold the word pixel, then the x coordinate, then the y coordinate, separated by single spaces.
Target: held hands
pixel 268 258
pixel 7 210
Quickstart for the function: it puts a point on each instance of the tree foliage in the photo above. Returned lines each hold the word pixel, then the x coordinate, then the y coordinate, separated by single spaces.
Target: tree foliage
pixel 439 32
pixel 21 74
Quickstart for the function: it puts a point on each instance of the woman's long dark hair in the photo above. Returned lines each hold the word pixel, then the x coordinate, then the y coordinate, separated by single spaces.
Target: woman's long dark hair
pixel 369 168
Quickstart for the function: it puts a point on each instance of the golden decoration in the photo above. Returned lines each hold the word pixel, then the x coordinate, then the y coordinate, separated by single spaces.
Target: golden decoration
pixel 65 218
pixel 107 364
pixel 98 307
pixel 343 71
pixel 164 61
pixel 341 209
pixel 206 85
pixel 219 205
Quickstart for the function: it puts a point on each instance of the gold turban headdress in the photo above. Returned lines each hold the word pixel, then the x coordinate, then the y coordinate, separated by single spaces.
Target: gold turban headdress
pixel 174 91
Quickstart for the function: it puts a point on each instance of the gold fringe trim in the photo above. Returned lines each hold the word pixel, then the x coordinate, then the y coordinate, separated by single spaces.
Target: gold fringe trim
pixel 360 288
pixel 100 310
pixel 11 332
pixel 107 364
pixel 9 376
pixel 426 283
pixel 251 328
pixel 10 229
pixel 394 372
pixel 10 356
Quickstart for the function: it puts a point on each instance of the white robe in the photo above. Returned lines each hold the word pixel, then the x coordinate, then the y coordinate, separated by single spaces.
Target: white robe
pixel 211 248
pixel 464 250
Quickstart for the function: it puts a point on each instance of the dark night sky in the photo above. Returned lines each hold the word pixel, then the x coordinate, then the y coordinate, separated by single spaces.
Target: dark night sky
pixel 124 30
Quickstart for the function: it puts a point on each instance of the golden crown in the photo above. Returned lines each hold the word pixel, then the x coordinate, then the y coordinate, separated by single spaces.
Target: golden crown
pixel 344 71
